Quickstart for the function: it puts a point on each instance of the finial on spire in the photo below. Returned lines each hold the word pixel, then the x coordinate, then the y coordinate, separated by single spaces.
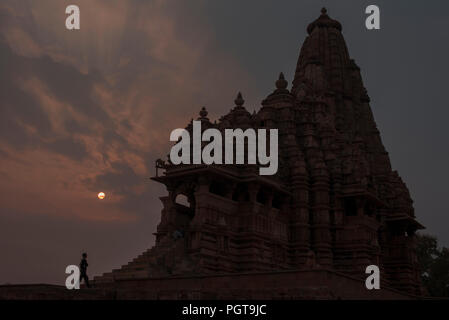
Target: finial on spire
pixel 324 21
pixel 281 83
pixel 203 112
pixel 239 100
pixel 203 115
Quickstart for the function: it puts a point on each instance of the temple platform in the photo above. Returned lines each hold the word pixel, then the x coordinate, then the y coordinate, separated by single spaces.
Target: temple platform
pixel 314 284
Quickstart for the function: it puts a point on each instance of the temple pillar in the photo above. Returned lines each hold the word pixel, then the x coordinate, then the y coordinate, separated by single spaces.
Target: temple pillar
pixel 202 200
pixel 321 220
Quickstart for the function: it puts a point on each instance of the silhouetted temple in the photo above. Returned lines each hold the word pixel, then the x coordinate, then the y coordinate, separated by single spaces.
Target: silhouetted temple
pixel 334 207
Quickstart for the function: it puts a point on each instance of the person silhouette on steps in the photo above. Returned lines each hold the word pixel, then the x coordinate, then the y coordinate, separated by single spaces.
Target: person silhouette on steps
pixel 83 270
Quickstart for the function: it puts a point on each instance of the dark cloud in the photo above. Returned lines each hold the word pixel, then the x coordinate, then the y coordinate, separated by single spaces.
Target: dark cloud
pixel 20 108
pixel 75 126
pixel 68 147
pixel 78 93
pixel 17 105
pixel 119 180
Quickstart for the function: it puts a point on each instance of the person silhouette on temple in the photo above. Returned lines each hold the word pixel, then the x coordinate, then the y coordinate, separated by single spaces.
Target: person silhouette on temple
pixel 83 270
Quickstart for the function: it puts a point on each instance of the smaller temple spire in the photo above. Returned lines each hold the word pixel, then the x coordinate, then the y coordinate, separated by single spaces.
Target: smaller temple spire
pixel 281 83
pixel 280 91
pixel 239 100
pixel 203 114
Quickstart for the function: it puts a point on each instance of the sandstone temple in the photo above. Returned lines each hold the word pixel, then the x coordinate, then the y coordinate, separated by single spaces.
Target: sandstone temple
pixel 334 207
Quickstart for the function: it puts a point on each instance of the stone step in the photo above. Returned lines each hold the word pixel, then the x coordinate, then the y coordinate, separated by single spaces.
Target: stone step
pixel 132 275
pixel 147 262
pixel 135 268
pixel 106 277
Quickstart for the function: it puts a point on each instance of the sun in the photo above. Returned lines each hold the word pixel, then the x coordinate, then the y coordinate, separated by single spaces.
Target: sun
pixel 101 195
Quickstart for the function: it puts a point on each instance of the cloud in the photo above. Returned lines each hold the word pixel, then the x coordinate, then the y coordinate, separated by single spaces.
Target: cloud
pixel 94 109
pixel 89 111
pixel 120 179
pixel 22 43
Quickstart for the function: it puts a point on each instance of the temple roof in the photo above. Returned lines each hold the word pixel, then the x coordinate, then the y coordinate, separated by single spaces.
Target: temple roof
pixel 324 21
pixel 238 116
pixel 324 60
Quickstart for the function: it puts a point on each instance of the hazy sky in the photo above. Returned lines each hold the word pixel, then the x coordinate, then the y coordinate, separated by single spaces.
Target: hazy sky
pixel 90 110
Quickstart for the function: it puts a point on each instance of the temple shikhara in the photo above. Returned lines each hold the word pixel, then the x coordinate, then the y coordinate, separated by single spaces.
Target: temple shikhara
pixel 334 206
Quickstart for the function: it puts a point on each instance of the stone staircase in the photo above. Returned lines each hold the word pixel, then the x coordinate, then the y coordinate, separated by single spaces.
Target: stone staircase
pixel 169 257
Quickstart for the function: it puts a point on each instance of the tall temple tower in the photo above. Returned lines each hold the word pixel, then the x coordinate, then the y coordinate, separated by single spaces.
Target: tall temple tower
pixel 335 202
